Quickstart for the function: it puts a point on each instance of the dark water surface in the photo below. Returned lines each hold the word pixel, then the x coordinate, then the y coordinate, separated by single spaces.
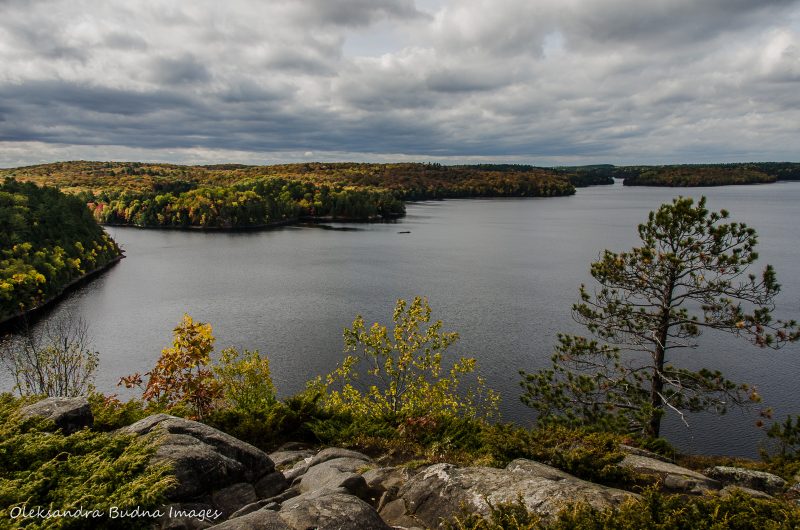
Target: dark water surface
pixel 501 272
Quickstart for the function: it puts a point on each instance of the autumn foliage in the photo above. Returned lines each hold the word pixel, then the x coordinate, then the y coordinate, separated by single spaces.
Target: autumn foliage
pixel 182 375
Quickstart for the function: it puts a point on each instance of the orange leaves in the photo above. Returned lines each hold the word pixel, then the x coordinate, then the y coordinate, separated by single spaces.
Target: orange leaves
pixel 181 375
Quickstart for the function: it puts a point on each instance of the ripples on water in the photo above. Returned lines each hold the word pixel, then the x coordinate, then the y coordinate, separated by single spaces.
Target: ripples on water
pixel 501 272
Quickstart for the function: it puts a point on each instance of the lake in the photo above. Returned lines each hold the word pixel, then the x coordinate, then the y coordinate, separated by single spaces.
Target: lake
pixel 501 272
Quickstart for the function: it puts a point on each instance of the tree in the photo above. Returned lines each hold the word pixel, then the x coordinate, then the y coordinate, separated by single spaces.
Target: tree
pixel 182 374
pixel 405 370
pixel 689 274
pixel 53 360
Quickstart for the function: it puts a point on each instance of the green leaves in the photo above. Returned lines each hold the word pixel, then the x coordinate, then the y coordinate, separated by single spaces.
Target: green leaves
pixel 404 377
pixel 644 307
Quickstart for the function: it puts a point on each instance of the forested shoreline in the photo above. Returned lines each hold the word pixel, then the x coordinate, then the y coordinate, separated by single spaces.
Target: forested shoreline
pixel 691 175
pixel 48 241
pixel 231 196
pixel 235 196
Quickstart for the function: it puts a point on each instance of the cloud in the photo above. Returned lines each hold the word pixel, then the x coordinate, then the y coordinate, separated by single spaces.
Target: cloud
pixel 552 81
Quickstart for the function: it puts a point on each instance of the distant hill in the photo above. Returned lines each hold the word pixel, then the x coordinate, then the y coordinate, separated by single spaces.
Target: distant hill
pixel 708 174
pixel 234 195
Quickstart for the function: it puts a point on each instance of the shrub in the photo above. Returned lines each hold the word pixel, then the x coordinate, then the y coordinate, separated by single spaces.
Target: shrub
pixel 86 469
pixel 185 382
pixel 245 382
pixel 290 420
pixel 405 374
pixel 52 360
pixel 181 375
pixel 785 461
pixel 110 413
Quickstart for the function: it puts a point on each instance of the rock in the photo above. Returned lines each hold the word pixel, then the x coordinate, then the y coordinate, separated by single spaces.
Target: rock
pixel 284 459
pixel 285 495
pixel 70 414
pixel 203 458
pixel 336 452
pixel 267 504
pixel 672 477
pixel 387 477
pixel 747 478
pixel 727 490
pixel 189 516
pixel 643 452
pixel 443 491
pixel 298 470
pixel 336 473
pixel 394 514
pixel 230 499
pixel 384 483
pixel 271 485
pixel 330 510
pixel 258 520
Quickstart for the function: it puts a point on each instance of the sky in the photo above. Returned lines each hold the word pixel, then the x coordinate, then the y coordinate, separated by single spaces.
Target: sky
pixel 545 82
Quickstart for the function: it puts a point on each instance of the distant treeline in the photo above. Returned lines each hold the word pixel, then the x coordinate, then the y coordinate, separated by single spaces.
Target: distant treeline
pixel 255 203
pixel 233 195
pixel 708 174
pixel 47 240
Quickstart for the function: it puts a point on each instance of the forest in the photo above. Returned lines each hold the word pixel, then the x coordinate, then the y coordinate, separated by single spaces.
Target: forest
pixel 235 196
pixel 708 174
pixel 47 240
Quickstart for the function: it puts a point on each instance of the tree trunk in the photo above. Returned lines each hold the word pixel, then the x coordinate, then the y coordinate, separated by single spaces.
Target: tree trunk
pixel 661 334
pixel 657 385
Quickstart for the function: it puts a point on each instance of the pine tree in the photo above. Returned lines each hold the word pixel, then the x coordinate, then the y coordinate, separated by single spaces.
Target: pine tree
pixel 689 274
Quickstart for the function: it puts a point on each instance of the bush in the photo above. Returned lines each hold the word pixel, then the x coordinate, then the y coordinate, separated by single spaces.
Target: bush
pixel 405 374
pixel 245 381
pixel 185 382
pixel 86 469
pixel 52 360
pixel 181 376
pixel 110 413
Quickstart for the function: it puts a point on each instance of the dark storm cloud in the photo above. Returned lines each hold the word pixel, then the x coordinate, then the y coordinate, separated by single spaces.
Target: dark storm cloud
pixel 560 80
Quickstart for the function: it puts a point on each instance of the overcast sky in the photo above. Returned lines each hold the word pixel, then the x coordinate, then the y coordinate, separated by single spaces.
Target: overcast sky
pixel 535 81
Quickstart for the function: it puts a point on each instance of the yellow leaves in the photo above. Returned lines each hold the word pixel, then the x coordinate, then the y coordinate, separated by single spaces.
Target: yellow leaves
pixel 180 375
pixel 406 370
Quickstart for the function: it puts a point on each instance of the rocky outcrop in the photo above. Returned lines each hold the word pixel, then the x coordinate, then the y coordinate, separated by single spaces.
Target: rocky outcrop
pixel 287 458
pixel 443 491
pixel 336 473
pixel 203 458
pixel 747 478
pixel 345 490
pixel 258 520
pixel 670 476
pixel 232 498
pixel 329 509
pixel 70 414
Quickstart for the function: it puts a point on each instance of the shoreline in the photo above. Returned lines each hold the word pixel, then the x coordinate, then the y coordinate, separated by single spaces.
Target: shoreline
pixel 14 322
pixel 296 221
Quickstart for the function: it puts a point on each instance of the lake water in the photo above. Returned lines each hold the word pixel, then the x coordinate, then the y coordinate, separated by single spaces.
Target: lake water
pixel 501 272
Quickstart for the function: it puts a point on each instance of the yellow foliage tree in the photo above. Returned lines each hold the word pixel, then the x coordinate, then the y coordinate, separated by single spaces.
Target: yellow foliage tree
pixel 181 376
pixel 406 377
